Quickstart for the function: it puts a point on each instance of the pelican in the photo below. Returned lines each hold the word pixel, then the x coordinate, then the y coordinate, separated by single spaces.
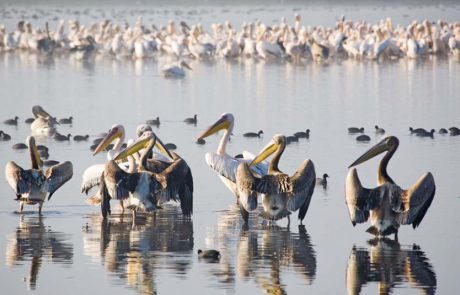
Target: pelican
pixel 388 205
pixel 225 165
pixel 12 121
pixel 175 70
pixel 33 185
pixel 175 175
pixel 44 122
pixel 281 193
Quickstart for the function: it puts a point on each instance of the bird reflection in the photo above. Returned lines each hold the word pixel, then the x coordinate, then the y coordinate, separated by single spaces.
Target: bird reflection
pixel 261 253
pixel 33 241
pixel 390 265
pixel 134 253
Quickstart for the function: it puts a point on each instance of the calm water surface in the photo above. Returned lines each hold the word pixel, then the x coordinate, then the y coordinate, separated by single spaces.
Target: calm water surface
pixel 71 249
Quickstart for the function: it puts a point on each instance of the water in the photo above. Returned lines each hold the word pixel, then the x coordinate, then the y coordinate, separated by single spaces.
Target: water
pixel 70 249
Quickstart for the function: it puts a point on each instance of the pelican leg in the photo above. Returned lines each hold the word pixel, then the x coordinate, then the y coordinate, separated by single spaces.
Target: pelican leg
pixel 396 235
pixel 21 206
pixel 40 205
pixel 122 207
pixel 289 221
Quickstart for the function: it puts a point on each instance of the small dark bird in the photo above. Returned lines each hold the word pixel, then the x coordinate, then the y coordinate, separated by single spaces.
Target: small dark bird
pixel 29 120
pixel 239 156
pixel 443 131
pixel 209 254
pixel 154 122
pixel 363 138
pixel 19 146
pixel 171 146
pixel 4 136
pixel 354 130
pixel 193 120
pixel 379 130
pixel 291 139
pixel 426 133
pixel 43 154
pixel 50 163
pixel 201 141
pixel 41 147
pixel 81 137
pixel 454 131
pixel 322 181
pixel 302 134
pixel 60 137
pixel 98 140
pixel 12 121
pixel 416 130
pixel 66 120
pixel 253 134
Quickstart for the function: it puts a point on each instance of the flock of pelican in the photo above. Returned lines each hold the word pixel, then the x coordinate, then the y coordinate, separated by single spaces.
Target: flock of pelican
pixel 142 174
pixel 283 40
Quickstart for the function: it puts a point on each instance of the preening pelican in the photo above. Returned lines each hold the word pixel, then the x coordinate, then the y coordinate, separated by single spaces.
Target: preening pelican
pixel 387 205
pixel 221 162
pixel 44 122
pixel 174 175
pixel 31 186
pixel 281 193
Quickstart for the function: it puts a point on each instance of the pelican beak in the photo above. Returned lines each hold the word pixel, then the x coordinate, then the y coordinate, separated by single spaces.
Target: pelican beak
pixel 162 148
pixel 111 136
pixel 222 123
pixel 379 148
pixel 136 146
pixel 37 156
pixel 265 153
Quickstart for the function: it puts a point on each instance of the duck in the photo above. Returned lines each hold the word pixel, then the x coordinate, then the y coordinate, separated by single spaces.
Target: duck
pixel 193 120
pixel 66 120
pixel 454 131
pixel 19 146
pixel 29 120
pixel 417 130
pixel 81 137
pixel 154 122
pixel 354 130
pixel 379 130
pixel 363 138
pixel 322 181
pixel 426 133
pixel 4 136
pixel 12 121
pixel 443 131
pixel 302 134
pixel 60 137
pixel 253 134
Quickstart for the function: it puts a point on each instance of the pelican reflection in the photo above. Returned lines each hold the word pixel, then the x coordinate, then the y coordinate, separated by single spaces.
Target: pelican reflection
pixel 390 265
pixel 260 254
pixel 133 254
pixel 35 243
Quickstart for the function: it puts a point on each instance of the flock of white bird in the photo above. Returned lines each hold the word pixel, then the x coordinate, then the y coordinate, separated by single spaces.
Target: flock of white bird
pixel 296 41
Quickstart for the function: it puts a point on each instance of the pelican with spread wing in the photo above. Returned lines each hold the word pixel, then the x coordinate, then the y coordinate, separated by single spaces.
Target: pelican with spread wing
pixel 281 193
pixel 387 205
pixel 225 165
pixel 32 186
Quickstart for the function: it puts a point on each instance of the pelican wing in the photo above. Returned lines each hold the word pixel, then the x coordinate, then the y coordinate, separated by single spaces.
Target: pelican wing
pixel 56 176
pixel 246 183
pixel 358 270
pixel 119 183
pixel 17 178
pixel 419 271
pixel 171 179
pixel 91 177
pixel 359 199
pixel 417 199
pixel 226 166
pixel 303 183
pixel 186 194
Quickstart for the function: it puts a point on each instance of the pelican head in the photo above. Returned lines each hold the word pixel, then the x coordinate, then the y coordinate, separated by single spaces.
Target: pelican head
pixel 117 131
pixel 278 142
pixel 35 157
pixel 389 143
pixel 183 64
pixel 141 129
pixel 38 111
pixel 147 139
pixel 224 122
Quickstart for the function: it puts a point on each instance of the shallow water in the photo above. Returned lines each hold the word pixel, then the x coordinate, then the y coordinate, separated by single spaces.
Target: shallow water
pixel 70 249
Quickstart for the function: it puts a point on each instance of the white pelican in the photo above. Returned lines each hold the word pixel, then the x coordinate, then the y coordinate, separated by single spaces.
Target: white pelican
pixel 175 70
pixel 174 175
pixel 33 185
pixel 44 123
pixel 387 205
pixel 281 194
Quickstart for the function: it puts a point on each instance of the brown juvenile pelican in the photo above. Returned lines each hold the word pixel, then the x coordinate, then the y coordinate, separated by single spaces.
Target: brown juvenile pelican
pixel 354 130
pixel 387 205
pixel 253 134
pixel 193 120
pixel 363 138
pixel 174 175
pixel 12 121
pixel 4 136
pixel 154 122
pixel 224 164
pixel 379 130
pixel 281 193
pixel 66 120
pixel 322 181
pixel 33 185
pixel 302 134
